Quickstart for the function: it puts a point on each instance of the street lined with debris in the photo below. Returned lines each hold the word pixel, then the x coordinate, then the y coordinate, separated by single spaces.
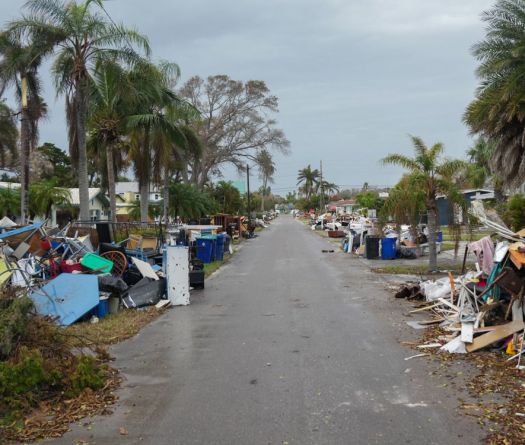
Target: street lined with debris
pixel 286 344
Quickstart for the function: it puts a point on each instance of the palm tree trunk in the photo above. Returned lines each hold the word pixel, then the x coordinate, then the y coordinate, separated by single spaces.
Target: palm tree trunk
pixel 166 196
pixel 24 165
pixel 265 181
pixel 144 201
pixel 432 228
pixel 111 182
pixel 83 184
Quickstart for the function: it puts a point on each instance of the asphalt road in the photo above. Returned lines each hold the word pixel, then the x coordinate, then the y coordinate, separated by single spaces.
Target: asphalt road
pixel 286 345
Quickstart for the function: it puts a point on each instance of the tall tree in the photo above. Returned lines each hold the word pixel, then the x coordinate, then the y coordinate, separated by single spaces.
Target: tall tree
pixel 309 179
pixel 266 167
pixel 429 172
pixel 498 111
pixel 44 195
pixel 21 60
pixel 154 128
pixel 83 35
pixel 235 125
pixel 111 104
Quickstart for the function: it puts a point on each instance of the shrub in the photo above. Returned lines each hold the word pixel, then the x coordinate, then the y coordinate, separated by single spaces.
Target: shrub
pixel 515 214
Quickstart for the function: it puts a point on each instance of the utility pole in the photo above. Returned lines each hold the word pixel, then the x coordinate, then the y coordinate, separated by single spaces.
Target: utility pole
pixel 321 200
pixel 249 202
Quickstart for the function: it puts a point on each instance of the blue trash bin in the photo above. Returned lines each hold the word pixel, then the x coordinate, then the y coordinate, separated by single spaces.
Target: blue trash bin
pixel 219 247
pixel 205 249
pixel 439 237
pixel 388 248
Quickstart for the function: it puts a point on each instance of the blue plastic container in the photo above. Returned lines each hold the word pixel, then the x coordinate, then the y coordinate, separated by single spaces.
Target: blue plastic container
pixel 388 248
pixel 205 249
pixel 439 237
pixel 103 308
pixel 219 247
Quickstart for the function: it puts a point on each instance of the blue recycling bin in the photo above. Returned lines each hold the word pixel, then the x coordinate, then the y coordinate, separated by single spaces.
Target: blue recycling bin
pixel 205 249
pixel 388 248
pixel 439 237
pixel 219 247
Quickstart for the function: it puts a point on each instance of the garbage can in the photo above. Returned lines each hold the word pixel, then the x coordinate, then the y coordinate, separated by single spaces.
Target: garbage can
pixel 439 237
pixel 204 249
pixel 227 241
pixel 372 247
pixel 388 248
pixel 219 247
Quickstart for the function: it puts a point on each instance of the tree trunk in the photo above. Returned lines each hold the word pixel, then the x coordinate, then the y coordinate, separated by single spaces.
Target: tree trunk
pixel 144 201
pixel 25 149
pixel 263 194
pixel 111 182
pixel 432 229
pixel 83 184
pixel 166 195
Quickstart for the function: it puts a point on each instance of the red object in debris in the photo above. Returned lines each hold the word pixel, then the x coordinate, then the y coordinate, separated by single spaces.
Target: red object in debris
pixel 70 268
pixel 45 244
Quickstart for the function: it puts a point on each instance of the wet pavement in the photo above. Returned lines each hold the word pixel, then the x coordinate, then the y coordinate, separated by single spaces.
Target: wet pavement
pixel 286 345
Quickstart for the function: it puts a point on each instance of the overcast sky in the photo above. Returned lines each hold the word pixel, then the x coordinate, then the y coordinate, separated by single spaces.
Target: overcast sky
pixel 353 77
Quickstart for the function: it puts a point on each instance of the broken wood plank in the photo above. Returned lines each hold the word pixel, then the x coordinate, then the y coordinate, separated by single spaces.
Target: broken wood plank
pixel 497 334
pixel 426 308
pixel 449 304
pixel 416 356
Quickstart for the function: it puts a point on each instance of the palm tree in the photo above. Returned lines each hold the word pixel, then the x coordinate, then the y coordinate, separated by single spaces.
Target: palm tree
pixel 266 167
pixel 110 107
pixel 309 178
pixel 155 129
pixel 498 111
pixel 8 137
pixel 405 204
pixel 329 188
pixel 44 195
pixel 430 174
pixel 83 36
pixel 21 60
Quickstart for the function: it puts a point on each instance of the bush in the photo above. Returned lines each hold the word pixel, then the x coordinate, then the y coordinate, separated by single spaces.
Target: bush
pixel 15 314
pixel 515 213
pixel 87 375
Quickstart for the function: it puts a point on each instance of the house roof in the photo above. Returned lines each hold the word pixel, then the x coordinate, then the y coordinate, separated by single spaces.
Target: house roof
pixel 132 187
pixel 75 194
pixel 342 202
pixel 9 185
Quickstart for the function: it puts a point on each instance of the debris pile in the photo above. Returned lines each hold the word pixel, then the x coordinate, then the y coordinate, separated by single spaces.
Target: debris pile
pixel 482 308
pixel 80 272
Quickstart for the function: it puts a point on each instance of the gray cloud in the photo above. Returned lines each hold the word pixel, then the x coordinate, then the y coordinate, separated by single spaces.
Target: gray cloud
pixel 353 77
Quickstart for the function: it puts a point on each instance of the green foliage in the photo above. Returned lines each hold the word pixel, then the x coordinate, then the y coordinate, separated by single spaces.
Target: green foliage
pixel 498 111
pixel 515 214
pixel 15 314
pixel 309 179
pixel 87 375
pixel 187 201
pixel 44 194
pixel 63 174
pixel 228 198
pixel 20 381
pixel 369 200
pixel 9 201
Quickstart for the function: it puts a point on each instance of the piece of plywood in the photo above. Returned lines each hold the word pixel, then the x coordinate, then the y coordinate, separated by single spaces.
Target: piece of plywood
pixel 517 258
pixel 497 334
pixel 145 268
pixel 467 332
pixel 67 298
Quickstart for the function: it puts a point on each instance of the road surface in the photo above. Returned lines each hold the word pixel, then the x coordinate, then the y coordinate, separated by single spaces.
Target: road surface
pixel 286 345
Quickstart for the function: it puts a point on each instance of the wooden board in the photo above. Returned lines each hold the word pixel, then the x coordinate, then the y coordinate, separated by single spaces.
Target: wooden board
pixel 497 334
pixel 517 258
